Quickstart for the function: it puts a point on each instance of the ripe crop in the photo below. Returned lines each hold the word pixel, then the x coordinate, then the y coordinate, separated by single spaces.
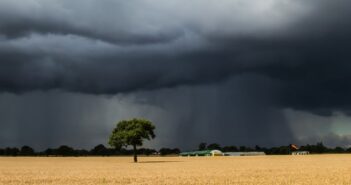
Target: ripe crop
pixel 253 170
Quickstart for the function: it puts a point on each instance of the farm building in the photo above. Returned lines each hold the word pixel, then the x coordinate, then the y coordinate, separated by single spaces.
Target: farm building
pixel 202 153
pixel 243 153
pixel 300 153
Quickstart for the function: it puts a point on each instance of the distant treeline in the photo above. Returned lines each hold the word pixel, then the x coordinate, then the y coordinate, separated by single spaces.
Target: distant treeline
pixel 101 150
pixel 318 148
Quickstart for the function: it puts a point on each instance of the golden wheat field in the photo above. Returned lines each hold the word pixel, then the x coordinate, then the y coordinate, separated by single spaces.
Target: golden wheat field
pixel 267 170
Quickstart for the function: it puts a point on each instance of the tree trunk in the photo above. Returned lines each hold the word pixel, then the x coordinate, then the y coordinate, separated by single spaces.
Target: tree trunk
pixel 135 154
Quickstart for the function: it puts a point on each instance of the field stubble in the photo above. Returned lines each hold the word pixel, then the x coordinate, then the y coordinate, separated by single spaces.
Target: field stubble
pixel 266 170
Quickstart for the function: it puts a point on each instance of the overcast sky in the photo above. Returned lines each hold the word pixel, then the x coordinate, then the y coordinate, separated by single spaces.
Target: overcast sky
pixel 241 72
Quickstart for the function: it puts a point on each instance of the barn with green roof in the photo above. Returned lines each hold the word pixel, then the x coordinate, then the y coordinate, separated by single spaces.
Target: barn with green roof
pixel 202 153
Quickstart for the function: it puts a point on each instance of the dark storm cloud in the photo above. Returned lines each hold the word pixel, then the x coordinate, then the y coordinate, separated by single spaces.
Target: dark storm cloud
pixel 95 21
pixel 298 50
pixel 311 53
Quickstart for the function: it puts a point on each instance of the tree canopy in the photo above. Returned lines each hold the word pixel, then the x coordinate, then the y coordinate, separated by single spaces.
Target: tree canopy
pixel 132 133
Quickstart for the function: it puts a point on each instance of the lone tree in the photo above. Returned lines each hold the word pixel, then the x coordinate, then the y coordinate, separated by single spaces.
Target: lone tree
pixel 132 132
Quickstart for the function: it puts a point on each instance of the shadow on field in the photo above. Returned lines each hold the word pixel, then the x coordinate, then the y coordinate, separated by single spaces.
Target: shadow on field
pixel 159 161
